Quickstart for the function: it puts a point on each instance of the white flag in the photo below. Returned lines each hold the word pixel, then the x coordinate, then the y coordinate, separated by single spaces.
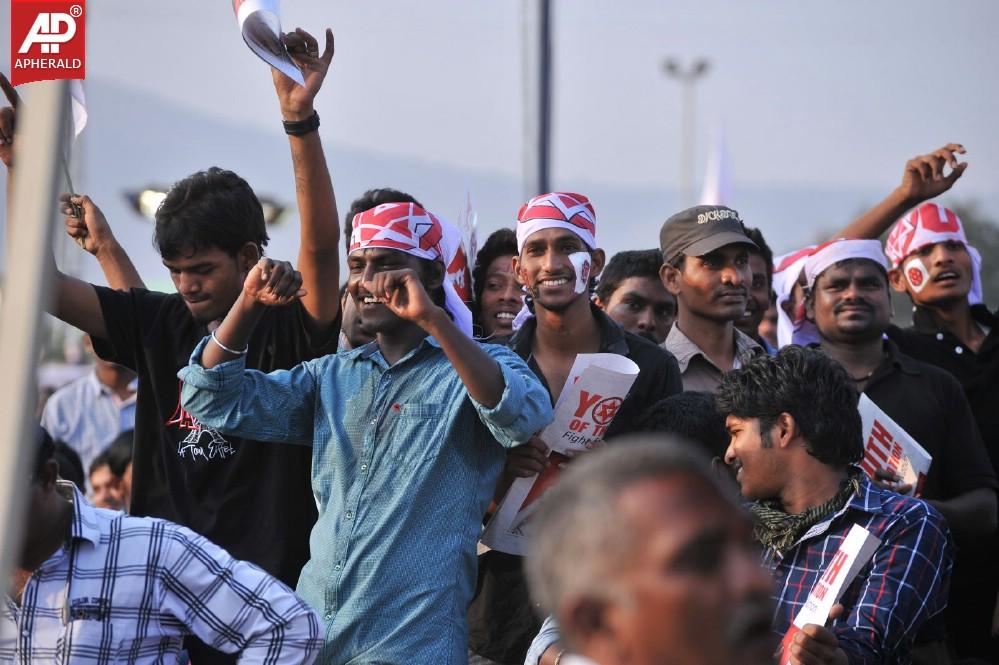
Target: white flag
pixel 718 178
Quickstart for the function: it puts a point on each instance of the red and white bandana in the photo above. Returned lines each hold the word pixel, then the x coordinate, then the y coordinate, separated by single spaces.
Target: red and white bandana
pixel 929 224
pixel 829 254
pixel 406 227
pixel 561 210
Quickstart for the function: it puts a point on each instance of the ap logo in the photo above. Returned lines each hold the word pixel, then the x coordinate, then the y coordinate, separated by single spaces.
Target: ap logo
pixel 47 40
pixel 50 30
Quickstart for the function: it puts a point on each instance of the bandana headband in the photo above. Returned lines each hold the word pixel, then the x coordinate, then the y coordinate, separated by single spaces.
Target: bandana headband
pixel 561 210
pixel 831 253
pixel 408 228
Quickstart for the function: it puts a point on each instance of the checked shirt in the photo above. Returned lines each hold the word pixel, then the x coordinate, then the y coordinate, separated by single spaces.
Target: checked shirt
pixel 903 587
pixel 128 589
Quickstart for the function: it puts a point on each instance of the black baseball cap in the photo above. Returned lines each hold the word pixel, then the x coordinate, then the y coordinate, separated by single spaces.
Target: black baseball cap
pixel 702 229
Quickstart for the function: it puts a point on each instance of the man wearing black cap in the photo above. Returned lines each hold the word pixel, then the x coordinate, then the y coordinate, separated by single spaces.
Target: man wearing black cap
pixel 706 266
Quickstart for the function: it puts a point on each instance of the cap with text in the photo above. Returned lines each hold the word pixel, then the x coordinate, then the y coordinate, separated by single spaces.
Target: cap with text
pixel 700 230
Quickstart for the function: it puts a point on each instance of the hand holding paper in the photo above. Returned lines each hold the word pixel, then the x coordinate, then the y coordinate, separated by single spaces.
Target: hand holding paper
pixel 297 97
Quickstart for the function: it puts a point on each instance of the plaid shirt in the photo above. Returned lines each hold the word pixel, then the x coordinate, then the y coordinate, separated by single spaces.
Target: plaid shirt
pixel 894 595
pixel 128 589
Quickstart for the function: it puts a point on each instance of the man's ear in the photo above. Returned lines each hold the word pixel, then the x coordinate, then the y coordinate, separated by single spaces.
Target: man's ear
pixel 586 620
pixel 598 259
pixel 247 256
pixel 785 430
pixel 896 277
pixel 670 277
pixel 517 271
pixel 433 277
pixel 599 303
pixel 810 305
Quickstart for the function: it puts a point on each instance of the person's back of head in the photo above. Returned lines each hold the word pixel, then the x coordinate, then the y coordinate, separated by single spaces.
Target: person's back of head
pixel 644 557
pixel 693 416
pixel 209 209
pixel 70 464
pixel 367 201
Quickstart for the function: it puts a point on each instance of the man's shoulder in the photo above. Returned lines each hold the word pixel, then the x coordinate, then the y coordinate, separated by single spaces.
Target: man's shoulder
pixel 890 508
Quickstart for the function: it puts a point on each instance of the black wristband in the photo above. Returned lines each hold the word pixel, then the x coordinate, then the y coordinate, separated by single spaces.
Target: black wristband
pixel 302 127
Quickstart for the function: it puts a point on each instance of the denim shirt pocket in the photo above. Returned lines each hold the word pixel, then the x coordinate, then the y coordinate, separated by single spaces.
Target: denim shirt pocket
pixel 417 432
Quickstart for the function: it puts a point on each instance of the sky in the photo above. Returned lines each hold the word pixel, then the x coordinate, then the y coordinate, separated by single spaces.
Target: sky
pixel 821 103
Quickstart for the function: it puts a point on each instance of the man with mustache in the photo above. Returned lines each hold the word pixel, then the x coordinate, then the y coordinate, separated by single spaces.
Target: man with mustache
pixel 761 295
pixel 795 438
pixel 645 558
pixel 706 266
pixel 557 261
pixel 847 299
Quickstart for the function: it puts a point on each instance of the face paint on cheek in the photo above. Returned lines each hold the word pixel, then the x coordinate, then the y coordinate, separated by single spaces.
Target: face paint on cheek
pixel 581 264
pixel 917 275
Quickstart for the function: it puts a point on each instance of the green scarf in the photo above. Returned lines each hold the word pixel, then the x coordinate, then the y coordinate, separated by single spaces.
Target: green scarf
pixel 776 529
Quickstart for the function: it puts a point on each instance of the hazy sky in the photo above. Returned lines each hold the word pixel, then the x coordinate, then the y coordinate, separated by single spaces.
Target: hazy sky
pixel 811 94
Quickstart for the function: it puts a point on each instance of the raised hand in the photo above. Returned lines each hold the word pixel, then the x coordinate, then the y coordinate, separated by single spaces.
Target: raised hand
pixel 297 101
pixel 91 231
pixel 7 115
pixel 924 176
pixel 273 283
pixel 403 293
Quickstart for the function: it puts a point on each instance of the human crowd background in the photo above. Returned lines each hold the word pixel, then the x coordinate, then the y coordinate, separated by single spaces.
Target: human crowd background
pixel 346 431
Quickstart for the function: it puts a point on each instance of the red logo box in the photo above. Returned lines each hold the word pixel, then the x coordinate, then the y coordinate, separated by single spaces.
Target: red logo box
pixel 47 40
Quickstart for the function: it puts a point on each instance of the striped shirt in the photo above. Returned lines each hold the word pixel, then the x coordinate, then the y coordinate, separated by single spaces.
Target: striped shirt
pixel 128 589
pixel 903 587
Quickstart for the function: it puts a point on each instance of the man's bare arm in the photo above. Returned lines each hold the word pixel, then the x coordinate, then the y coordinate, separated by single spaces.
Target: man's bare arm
pixel 319 248
pixel 923 179
pixel 93 234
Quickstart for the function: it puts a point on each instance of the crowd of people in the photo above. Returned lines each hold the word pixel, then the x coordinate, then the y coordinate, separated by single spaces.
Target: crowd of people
pixel 262 430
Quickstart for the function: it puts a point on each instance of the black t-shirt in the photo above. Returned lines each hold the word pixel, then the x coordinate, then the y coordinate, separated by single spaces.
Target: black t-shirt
pixel 928 403
pixel 502 620
pixel 252 498
pixel 978 373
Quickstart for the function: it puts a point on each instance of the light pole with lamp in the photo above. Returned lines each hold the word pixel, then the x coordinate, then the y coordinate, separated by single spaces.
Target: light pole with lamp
pixel 687 77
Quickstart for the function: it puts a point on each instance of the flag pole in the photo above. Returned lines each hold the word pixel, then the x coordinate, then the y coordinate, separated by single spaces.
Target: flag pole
pixel 26 290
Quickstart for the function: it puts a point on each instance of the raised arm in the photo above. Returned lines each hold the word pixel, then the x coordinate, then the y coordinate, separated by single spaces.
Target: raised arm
pixel 319 248
pixel 75 301
pixel 922 179
pixel 93 234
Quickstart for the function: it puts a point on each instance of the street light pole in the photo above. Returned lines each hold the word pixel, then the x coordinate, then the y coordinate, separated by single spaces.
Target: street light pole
pixel 687 78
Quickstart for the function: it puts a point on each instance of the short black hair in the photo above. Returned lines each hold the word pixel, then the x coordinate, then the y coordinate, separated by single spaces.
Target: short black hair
pixel 119 452
pixel 367 201
pixel 763 250
pixel 502 242
pixel 209 209
pixel 632 263
pixel 44 451
pixel 809 385
pixel 692 415
pixel 70 465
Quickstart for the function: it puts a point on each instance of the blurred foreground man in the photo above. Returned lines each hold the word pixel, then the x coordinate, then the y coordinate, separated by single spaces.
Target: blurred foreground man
pixel 796 435
pixel 98 586
pixel 644 560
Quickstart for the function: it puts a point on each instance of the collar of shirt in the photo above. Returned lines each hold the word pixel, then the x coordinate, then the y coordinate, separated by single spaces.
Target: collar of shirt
pixel 371 352
pixel 686 350
pixel 611 335
pixel 84 526
pixel 922 321
pixel 868 500
pixel 97 389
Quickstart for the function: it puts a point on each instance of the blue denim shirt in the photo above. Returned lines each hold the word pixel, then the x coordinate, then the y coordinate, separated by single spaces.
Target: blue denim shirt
pixel 404 466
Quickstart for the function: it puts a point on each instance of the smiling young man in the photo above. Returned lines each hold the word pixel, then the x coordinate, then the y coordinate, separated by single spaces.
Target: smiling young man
pixel 557 261
pixel 631 293
pixel 795 437
pixel 761 269
pixel 498 296
pixel 706 266
pixel 210 231
pixel 407 436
